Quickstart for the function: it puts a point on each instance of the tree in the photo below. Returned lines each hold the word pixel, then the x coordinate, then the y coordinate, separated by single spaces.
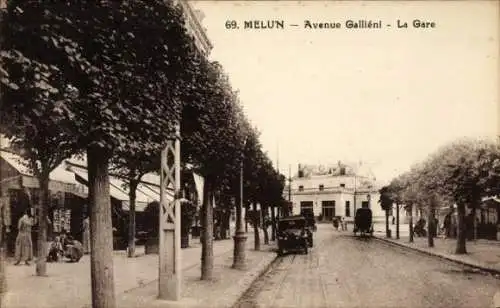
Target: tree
pixel 386 204
pixel 396 188
pixel 133 166
pixel 463 171
pixel 212 131
pixel 253 169
pixel 460 170
pixel 125 78
pixel 35 106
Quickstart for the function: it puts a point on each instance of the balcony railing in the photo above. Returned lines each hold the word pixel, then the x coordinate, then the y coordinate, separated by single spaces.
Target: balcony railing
pixel 330 189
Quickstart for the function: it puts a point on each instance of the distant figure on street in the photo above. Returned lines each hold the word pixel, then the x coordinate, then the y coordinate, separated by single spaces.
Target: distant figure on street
pixel 343 224
pixel 393 220
pixel 55 251
pixel 336 223
pixel 419 228
pixel 86 235
pixel 24 244
pixel 446 225
pixel 72 248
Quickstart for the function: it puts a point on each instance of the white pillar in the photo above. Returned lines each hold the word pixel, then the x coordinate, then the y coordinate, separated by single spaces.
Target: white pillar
pixel 170 275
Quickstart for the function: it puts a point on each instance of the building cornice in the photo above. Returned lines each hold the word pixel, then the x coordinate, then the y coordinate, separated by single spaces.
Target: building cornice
pixel 196 26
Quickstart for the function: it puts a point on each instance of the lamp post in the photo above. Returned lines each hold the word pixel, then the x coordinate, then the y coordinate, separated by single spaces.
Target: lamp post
pixel 239 257
pixel 289 207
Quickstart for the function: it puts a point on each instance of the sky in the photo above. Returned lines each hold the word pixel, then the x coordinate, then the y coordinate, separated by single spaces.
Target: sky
pixel 388 97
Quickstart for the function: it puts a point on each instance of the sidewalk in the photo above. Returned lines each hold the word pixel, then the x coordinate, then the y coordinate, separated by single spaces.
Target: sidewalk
pixel 482 254
pixel 68 284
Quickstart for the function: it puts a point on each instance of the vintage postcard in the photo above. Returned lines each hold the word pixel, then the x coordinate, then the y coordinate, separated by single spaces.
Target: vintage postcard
pixel 250 154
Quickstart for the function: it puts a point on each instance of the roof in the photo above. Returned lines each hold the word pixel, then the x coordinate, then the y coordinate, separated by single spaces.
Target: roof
pixel 118 189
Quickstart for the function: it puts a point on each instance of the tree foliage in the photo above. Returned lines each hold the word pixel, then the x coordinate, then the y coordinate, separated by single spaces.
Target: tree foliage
pixel 460 173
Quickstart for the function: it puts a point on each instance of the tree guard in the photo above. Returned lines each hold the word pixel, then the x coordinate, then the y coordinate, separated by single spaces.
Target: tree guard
pixel 170 274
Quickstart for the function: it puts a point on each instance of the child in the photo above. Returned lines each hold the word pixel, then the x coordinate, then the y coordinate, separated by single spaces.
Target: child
pixel 55 250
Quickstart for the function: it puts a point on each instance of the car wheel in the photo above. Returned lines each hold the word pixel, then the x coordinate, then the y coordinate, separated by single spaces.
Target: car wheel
pixel 280 252
pixel 306 249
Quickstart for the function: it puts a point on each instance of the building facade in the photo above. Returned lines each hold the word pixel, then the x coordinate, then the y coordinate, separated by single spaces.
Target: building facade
pixel 194 27
pixel 333 191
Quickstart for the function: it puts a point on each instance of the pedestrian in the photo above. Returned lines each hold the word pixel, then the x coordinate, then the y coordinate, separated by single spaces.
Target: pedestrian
pixel 55 251
pixel 86 235
pixel 24 244
pixel 336 223
pixel 5 224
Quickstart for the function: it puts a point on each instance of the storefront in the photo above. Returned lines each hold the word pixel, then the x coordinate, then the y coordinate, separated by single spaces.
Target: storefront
pixel 66 198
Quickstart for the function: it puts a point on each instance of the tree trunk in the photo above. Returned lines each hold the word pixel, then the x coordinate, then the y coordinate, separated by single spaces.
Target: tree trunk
pixel 41 261
pixel 430 227
pixel 462 234
pixel 101 230
pixel 397 221
pixel 387 224
pixel 411 223
pixel 3 248
pixel 474 221
pixel 207 257
pixel 264 226
pixel 246 217
pixel 273 224
pixel 256 234
pixel 131 218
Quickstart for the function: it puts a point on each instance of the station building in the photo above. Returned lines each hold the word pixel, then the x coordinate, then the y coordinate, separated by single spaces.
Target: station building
pixel 335 190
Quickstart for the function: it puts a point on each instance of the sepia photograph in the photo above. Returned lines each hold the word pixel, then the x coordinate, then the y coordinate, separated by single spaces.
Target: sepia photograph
pixel 249 154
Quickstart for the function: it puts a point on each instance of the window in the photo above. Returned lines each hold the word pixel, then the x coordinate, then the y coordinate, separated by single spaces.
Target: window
pixel 306 205
pixel 342 171
pixel 348 209
pixel 301 188
pixel 365 204
pixel 342 185
pixel 328 209
pixel 321 187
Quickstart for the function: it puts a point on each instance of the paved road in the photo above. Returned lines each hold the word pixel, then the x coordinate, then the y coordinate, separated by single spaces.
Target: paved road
pixel 344 271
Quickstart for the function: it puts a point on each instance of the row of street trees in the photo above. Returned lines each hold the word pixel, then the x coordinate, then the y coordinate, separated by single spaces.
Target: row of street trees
pixel 110 80
pixel 461 173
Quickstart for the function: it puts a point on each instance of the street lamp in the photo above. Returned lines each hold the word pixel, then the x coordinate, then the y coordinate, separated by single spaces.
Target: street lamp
pixel 239 257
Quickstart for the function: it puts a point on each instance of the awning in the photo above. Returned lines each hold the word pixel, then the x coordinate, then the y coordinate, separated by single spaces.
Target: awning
pixel 118 189
pixel 60 178
pixel 17 162
pixel 491 202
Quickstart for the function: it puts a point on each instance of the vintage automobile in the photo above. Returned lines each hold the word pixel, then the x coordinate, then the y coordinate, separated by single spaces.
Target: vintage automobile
pixel 293 234
pixel 363 221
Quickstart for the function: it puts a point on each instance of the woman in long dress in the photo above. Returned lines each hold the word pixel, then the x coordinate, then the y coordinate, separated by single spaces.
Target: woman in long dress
pixel 24 244
pixel 86 235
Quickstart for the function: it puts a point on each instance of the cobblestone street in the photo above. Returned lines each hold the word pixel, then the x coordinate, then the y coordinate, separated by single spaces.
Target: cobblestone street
pixel 344 271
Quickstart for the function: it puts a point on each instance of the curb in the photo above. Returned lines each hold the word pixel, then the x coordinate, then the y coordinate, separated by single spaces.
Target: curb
pixel 490 270
pixel 250 282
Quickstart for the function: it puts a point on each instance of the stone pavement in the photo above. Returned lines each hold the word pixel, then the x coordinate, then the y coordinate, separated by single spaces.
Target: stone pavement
pixel 68 284
pixel 347 271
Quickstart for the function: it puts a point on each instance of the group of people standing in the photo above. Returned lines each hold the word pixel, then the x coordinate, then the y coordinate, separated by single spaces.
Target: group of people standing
pixel 339 221
pixel 63 245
